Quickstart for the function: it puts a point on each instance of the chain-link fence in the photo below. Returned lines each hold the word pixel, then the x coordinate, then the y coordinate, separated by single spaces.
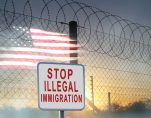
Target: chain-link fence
pixel 116 53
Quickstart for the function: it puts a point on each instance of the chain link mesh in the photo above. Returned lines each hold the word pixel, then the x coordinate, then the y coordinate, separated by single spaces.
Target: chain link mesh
pixel 115 51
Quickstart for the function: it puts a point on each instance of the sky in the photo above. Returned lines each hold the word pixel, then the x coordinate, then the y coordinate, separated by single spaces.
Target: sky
pixel 135 10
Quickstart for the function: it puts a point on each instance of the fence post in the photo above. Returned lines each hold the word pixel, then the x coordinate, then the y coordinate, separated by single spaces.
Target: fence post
pixel 109 101
pixel 73 36
pixel 92 92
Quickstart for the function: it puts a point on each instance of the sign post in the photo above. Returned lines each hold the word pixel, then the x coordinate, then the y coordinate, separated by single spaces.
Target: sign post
pixel 61 114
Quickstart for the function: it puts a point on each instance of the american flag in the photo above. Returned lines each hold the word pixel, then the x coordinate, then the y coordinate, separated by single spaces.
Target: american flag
pixel 39 45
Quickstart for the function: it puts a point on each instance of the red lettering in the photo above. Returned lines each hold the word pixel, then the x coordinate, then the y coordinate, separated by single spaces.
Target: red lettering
pixel 61 97
pixel 65 98
pixel 70 72
pixel 58 86
pixel 63 73
pixel 75 98
pixel 49 97
pixel 41 97
pixel 75 89
pixel 69 95
pixel 48 89
pixel 64 86
pixel 80 98
pixel 56 72
pixel 44 97
pixel 57 98
pixel 44 85
pixel 53 88
pixel 70 87
pixel 49 73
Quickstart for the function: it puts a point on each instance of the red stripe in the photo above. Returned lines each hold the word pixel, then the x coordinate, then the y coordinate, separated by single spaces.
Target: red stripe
pixel 21 60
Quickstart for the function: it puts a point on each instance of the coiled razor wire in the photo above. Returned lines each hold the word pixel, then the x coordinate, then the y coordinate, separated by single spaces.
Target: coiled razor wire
pixel 107 33
pixel 116 51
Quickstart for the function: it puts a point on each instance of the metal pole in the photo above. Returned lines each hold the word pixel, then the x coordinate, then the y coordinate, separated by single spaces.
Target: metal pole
pixel 73 36
pixel 61 114
pixel 92 93
pixel 109 101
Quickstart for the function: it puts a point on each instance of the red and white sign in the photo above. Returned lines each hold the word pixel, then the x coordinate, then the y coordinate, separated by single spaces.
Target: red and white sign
pixel 61 86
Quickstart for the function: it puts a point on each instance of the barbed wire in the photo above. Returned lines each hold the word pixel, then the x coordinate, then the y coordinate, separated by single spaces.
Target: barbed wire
pixel 124 39
pixel 116 51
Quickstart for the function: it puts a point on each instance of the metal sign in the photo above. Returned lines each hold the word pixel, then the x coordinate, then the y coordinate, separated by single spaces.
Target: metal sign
pixel 61 86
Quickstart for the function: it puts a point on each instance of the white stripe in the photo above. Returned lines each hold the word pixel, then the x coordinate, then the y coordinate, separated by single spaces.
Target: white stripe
pixel 55 45
pixel 32 30
pixel 57 38
pixel 49 51
pixel 14 63
pixel 34 57
pixel 17 63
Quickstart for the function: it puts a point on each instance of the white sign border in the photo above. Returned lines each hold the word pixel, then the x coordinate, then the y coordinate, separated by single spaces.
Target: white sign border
pixel 61 64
